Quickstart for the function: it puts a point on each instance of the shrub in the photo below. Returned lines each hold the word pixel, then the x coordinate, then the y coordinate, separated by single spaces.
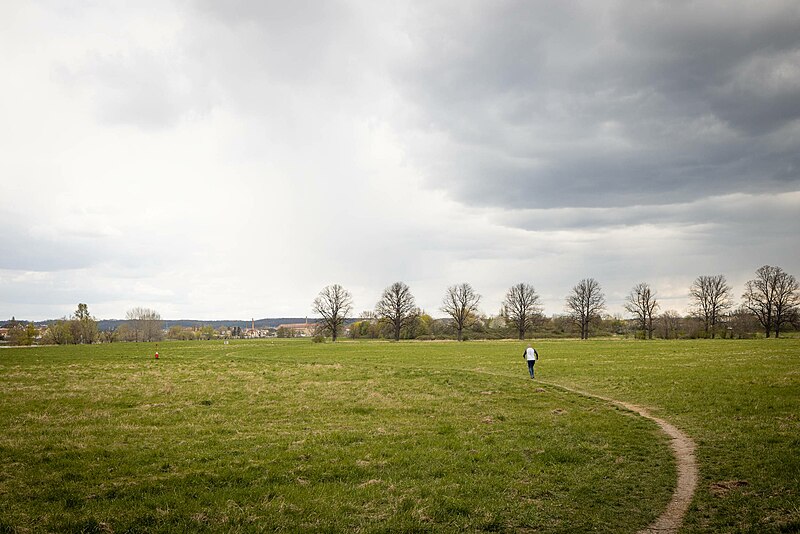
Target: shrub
pixel 318 339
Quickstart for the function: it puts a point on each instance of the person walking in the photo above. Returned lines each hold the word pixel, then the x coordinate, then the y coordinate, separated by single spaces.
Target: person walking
pixel 530 356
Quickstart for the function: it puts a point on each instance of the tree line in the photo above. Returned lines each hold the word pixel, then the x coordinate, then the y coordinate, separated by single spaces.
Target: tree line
pixel 141 324
pixel 771 299
pixel 769 303
pixel 79 328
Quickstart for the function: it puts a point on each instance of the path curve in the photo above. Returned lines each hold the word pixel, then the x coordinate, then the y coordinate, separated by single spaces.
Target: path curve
pixel 683 448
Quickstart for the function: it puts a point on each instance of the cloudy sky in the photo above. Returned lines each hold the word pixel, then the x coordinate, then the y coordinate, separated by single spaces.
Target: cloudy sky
pixel 222 160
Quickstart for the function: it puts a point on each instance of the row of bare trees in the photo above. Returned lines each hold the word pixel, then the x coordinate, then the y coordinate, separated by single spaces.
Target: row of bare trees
pixel 142 324
pixel 773 297
pixel 397 307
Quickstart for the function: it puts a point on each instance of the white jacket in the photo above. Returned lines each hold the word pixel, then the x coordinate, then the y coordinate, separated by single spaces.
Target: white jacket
pixel 530 354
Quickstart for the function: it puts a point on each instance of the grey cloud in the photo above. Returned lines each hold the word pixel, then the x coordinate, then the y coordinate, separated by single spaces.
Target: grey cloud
pixel 54 292
pixel 43 249
pixel 772 214
pixel 544 104
pixel 31 255
pixel 36 245
pixel 739 60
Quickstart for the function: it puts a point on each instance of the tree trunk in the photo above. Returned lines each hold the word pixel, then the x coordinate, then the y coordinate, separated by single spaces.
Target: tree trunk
pixel 459 334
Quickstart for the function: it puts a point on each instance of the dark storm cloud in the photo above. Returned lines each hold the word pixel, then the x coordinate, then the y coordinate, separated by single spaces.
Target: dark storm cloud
pixel 770 215
pixel 547 104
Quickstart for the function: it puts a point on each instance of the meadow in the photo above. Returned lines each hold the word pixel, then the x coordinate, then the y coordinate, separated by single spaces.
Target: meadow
pixel 288 435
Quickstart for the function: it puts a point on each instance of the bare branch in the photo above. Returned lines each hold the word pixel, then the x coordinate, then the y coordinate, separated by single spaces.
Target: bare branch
pixel 773 297
pixel 521 307
pixel 641 303
pixel 711 296
pixel 396 306
pixel 461 304
pixel 333 303
pixel 585 303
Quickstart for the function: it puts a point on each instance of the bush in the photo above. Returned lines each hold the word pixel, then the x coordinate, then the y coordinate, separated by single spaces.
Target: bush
pixel 318 339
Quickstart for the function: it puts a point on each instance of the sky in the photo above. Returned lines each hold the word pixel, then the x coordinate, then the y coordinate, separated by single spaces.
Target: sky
pixel 228 160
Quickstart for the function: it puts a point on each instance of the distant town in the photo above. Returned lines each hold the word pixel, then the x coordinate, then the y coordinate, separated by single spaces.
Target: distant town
pixel 88 330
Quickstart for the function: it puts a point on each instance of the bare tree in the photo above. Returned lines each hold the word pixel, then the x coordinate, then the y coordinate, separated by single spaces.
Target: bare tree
pixel 742 322
pixel 521 308
pixel 461 304
pixel 669 324
pixel 711 296
pixel 397 307
pixel 333 303
pixel 759 296
pixel 585 303
pixel 772 296
pixel 641 302
pixel 787 300
pixel 153 326
pixel 144 324
pixel 134 323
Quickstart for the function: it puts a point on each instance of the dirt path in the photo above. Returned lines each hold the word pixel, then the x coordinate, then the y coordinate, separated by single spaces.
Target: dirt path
pixel 683 449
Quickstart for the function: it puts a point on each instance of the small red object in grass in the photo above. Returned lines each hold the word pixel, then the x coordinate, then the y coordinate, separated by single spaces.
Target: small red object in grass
pixel 156 355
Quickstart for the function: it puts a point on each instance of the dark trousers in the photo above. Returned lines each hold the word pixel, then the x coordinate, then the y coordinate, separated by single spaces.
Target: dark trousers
pixel 530 366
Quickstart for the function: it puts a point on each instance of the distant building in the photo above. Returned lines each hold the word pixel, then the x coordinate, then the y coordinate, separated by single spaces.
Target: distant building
pixel 300 329
pixel 253 332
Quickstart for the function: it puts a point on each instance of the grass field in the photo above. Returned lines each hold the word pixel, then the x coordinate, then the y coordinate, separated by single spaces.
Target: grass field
pixel 290 435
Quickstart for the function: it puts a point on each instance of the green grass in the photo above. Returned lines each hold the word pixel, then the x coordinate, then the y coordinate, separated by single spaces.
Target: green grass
pixel 290 435
pixel 739 400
